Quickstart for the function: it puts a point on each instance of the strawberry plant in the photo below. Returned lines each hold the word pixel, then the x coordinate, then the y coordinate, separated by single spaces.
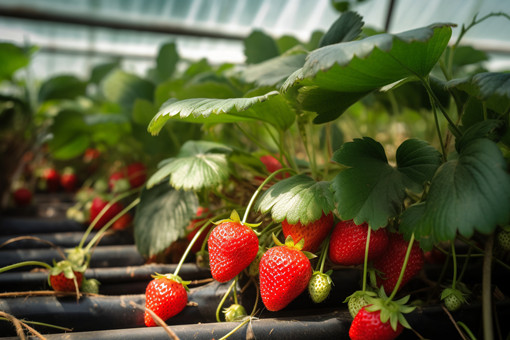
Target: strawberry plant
pixel 445 182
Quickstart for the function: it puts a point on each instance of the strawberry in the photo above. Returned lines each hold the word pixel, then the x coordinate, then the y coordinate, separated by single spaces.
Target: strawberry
pixel 348 242
pixel 389 264
pixel 320 286
pixel 123 222
pixel 503 238
pixel 368 326
pixel 235 312
pixel 98 204
pixel 232 247
pixel 166 295
pixel 137 174
pixel 284 273
pixel 90 154
pixel 358 300
pixel 51 179
pixel 453 298
pixel 62 275
pixel 69 180
pixel 22 197
pixel 117 182
pixel 313 233
pixel 90 286
pixel 195 225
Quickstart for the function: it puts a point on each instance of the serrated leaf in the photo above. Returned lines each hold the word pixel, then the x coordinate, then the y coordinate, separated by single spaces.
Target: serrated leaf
pixel 274 71
pixel 297 199
pixel 199 165
pixel 468 194
pixel 346 28
pixel 124 88
pixel 367 64
pixel 62 87
pixel 161 218
pixel 270 107
pixel 491 87
pixel 373 191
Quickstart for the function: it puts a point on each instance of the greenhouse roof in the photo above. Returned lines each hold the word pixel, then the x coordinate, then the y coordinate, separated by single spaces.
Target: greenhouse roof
pixel 75 35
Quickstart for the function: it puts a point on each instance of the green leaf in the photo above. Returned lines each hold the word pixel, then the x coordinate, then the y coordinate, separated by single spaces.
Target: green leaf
pixel 346 28
pixel 70 135
pixel 271 108
pixel 373 191
pixel 286 43
pixel 161 218
pixel 12 58
pixel 274 71
pixel 328 105
pixel 100 71
pixel 62 87
pixel 259 46
pixel 297 199
pixel 469 193
pixel 491 87
pixel 124 88
pixel 368 64
pixel 167 60
pixel 199 165
pixel 143 111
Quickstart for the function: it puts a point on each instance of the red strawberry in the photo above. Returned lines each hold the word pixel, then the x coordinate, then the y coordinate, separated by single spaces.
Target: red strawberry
pixel 271 163
pixel 98 204
pixel 284 273
pixel 368 326
pixel 62 274
pixel 51 179
pixel 166 296
pixel 232 247
pixel 90 154
pixel 22 197
pixel 69 181
pixel 122 222
pixel 348 242
pixel 390 262
pixel 313 233
pixel 137 174
pixel 195 226
pixel 118 182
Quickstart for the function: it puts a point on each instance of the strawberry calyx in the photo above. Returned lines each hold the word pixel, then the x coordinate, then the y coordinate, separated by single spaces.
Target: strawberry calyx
pixel 235 218
pixel 78 256
pixel 390 310
pixel 67 267
pixel 289 243
pixel 454 294
pixel 172 277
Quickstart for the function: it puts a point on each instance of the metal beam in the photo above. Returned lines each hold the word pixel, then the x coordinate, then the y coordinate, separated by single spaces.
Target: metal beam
pixel 21 12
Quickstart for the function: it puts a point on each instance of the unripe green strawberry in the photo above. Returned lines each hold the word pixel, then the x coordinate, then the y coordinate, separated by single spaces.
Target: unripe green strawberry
pixel 348 242
pixel 453 299
pixel 166 296
pixel 284 273
pixel 320 286
pixel 368 326
pixel 503 239
pixel 234 313
pixel 389 264
pixel 313 233
pixel 232 247
pixel 358 300
pixel 90 286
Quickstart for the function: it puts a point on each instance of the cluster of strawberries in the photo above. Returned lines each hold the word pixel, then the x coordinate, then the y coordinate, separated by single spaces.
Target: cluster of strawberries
pixel 285 270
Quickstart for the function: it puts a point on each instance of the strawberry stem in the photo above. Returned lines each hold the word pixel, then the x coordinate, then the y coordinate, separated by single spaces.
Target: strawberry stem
pixel 259 189
pixel 41 324
pixel 365 260
pixel 402 271
pixel 25 263
pixel 488 333
pixel 235 291
pixel 110 223
pixel 190 245
pixel 322 258
pixel 223 300
pixel 454 261
pixel 245 321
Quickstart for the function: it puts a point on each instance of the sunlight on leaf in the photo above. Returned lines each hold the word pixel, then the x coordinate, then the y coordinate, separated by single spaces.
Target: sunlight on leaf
pixel 297 199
